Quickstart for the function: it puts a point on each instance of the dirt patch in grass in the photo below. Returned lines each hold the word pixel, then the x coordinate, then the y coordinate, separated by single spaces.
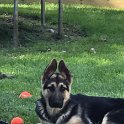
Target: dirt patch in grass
pixel 108 3
pixel 31 31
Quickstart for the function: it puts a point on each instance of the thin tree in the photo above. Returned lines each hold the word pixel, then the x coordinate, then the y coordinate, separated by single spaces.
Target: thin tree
pixel 43 13
pixel 60 13
pixel 15 24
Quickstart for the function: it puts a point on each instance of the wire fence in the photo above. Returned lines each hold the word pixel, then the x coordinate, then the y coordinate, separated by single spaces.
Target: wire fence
pixel 107 3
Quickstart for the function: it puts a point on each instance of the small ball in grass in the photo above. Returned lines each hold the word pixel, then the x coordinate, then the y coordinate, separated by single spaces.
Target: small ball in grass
pixel 17 120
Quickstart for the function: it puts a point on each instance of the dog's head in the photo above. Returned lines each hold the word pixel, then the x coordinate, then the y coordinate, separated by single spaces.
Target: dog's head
pixel 56 87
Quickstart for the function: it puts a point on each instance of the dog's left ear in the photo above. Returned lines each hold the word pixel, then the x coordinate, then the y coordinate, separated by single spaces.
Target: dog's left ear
pixel 50 69
pixel 64 71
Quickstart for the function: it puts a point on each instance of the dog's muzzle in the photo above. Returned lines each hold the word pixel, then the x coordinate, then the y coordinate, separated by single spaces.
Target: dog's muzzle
pixel 56 102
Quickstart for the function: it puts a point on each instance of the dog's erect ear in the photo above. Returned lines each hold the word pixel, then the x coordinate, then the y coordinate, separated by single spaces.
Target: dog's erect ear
pixel 50 69
pixel 64 71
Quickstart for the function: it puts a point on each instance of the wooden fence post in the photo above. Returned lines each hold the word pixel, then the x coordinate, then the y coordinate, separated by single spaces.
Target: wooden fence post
pixel 43 13
pixel 15 24
pixel 60 9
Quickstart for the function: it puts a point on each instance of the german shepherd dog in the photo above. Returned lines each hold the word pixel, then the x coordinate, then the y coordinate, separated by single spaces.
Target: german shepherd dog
pixel 58 106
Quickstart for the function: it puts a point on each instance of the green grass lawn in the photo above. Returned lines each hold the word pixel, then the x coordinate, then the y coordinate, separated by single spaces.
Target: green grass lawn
pixel 99 74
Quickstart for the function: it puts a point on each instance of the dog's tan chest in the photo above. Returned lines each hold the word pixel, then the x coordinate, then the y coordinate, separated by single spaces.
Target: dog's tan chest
pixel 75 120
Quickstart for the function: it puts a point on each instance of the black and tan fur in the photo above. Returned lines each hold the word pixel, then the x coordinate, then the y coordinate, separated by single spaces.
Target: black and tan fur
pixel 58 106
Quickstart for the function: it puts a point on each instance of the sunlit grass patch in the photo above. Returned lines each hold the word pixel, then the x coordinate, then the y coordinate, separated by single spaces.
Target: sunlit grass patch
pixel 99 74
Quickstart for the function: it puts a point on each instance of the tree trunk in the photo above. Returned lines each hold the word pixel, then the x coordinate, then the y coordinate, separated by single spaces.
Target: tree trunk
pixel 60 18
pixel 15 24
pixel 43 13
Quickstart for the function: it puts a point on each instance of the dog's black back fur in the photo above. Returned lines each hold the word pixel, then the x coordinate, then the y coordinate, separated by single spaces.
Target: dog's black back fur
pixel 97 107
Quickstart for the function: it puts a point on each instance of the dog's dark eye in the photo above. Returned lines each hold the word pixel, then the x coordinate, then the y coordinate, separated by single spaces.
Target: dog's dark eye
pixel 51 88
pixel 62 89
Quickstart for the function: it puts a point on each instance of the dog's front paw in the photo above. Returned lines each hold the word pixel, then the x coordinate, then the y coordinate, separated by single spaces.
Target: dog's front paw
pixel 40 110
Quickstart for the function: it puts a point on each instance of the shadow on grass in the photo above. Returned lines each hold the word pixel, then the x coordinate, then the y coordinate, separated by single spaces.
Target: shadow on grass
pixel 89 20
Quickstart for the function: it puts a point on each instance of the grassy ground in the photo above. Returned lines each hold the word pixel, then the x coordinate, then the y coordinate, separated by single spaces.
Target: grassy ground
pixel 86 27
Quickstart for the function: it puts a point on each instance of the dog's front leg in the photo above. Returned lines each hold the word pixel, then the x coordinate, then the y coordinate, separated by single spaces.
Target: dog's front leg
pixel 44 122
pixel 41 112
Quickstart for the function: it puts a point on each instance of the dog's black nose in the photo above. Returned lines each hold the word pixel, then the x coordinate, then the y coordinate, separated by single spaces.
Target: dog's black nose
pixel 56 103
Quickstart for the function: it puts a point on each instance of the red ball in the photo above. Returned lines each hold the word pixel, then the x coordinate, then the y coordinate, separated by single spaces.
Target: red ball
pixel 17 120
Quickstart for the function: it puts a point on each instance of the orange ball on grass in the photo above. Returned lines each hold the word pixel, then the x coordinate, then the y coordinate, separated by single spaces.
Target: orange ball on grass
pixel 17 120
